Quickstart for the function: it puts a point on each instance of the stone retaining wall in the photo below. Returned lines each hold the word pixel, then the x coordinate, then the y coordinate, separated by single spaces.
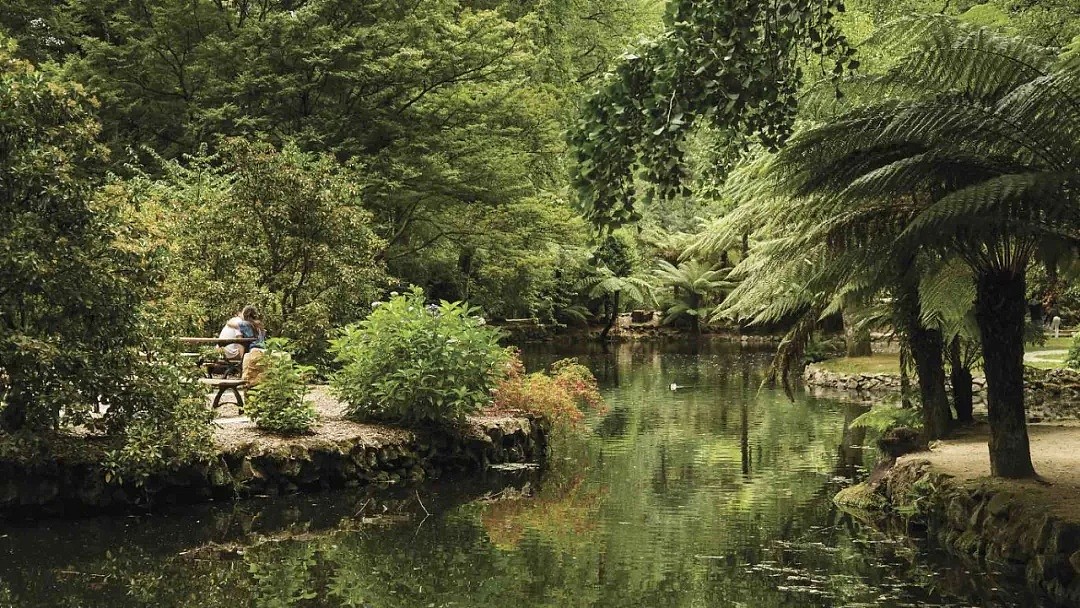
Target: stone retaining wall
pixel 74 487
pixel 978 521
pixel 1050 394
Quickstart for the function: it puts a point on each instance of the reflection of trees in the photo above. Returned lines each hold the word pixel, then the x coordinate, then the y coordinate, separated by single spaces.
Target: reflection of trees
pixel 697 497
pixel 849 454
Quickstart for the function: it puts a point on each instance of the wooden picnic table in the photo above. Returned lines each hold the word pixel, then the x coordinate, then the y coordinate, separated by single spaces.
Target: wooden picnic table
pixel 222 385
pixel 215 341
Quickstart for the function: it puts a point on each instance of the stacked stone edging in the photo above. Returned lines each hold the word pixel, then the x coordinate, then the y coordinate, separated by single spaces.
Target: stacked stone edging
pixel 1049 394
pixel 815 376
pixel 54 486
pixel 979 521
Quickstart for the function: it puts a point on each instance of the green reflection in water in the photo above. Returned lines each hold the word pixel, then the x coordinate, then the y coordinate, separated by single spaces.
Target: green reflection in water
pixel 716 494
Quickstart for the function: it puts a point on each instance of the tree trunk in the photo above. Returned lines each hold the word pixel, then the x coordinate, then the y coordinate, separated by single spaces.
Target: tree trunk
pixel 960 377
pixel 905 386
pixel 926 348
pixel 856 340
pixel 612 316
pixel 13 416
pixel 695 304
pixel 999 310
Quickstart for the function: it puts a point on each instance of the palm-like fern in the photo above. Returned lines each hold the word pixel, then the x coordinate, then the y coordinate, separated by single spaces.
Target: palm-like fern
pixel 693 283
pixel 970 152
pixel 616 290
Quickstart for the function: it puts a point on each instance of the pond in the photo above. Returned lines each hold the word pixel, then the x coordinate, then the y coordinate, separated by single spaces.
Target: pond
pixel 714 494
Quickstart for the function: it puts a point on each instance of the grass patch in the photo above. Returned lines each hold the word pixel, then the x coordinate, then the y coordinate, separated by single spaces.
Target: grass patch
pixel 877 364
pixel 890 363
pixel 1064 342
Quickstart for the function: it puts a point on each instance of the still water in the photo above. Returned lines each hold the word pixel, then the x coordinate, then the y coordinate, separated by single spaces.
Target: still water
pixel 716 494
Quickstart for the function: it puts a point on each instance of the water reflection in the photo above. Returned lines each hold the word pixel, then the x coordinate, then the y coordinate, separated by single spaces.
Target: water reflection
pixel 716 494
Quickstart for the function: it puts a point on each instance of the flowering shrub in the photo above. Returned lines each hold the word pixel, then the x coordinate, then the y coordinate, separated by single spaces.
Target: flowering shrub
pixel 562 396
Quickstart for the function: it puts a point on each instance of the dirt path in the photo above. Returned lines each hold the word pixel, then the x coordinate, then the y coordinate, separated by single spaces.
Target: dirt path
pixel 1055 452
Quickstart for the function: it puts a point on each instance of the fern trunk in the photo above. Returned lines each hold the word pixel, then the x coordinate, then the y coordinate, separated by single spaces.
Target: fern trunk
pixel 960 376
pixel 927 346
pixel 857 341
pixel 612 316
pixel 999 310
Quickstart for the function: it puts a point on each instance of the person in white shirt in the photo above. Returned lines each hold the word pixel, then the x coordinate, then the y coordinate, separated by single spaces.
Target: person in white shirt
pixel 1055 325
pixel 245 324
pixel 229 332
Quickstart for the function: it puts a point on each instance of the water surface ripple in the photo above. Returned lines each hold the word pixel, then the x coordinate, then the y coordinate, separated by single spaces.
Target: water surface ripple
pixel 714 494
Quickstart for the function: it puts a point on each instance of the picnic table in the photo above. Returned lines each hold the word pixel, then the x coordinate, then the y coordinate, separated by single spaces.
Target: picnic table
pixel 225 366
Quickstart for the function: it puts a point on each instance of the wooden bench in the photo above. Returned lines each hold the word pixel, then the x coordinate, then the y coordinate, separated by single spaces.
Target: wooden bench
pixel 223 385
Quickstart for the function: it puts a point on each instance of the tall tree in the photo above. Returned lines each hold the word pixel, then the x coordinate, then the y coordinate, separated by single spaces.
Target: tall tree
pixel 735 66
pixel 71 284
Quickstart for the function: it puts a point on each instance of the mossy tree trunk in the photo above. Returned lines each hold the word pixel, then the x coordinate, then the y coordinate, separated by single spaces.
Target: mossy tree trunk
pixel 927 347
pixel 999 311
pixel 613 315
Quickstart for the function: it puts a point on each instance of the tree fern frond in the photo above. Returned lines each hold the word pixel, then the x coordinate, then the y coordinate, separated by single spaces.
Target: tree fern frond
pixel 1017 204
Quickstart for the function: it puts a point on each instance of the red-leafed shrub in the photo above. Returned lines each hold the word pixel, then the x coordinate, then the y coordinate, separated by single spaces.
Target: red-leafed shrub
pixel 562 396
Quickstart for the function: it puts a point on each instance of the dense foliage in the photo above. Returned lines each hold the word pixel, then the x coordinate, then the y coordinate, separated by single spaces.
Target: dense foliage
pixel 735 66
pixel 280 229
pixel 74 278
pixel 278 401
pixel 561 397
pixel 415 364
pixel 449 118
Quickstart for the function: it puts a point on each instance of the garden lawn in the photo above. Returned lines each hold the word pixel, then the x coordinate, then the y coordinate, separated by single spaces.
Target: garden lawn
pixel 1064 342
pixel 888 363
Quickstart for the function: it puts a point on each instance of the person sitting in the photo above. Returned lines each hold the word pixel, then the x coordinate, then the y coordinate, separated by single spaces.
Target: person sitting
pixel 250 326
pixel 246 324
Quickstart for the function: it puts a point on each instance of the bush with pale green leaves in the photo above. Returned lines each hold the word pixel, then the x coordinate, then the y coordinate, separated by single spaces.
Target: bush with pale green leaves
pixel 415 364
pixel 278 402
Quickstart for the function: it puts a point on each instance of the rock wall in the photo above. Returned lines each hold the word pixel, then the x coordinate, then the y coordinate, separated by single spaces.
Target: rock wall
pixel 53 486
pixel 1049 394
pixel 983 522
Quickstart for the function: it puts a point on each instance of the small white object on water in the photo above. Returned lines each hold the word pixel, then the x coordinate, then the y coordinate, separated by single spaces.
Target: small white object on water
pixel 674 386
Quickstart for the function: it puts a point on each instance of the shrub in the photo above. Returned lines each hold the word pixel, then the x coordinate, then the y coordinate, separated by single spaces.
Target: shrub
pixel 887 417
pixel 560 397
pixel 412 364
pixel 1072 361
pixel 161 420
pixel 277 403
pixel 71 276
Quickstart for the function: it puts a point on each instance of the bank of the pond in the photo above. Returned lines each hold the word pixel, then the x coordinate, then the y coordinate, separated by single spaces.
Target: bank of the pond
pixel 72 479
pixel 1028 527
pixel 1050 394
